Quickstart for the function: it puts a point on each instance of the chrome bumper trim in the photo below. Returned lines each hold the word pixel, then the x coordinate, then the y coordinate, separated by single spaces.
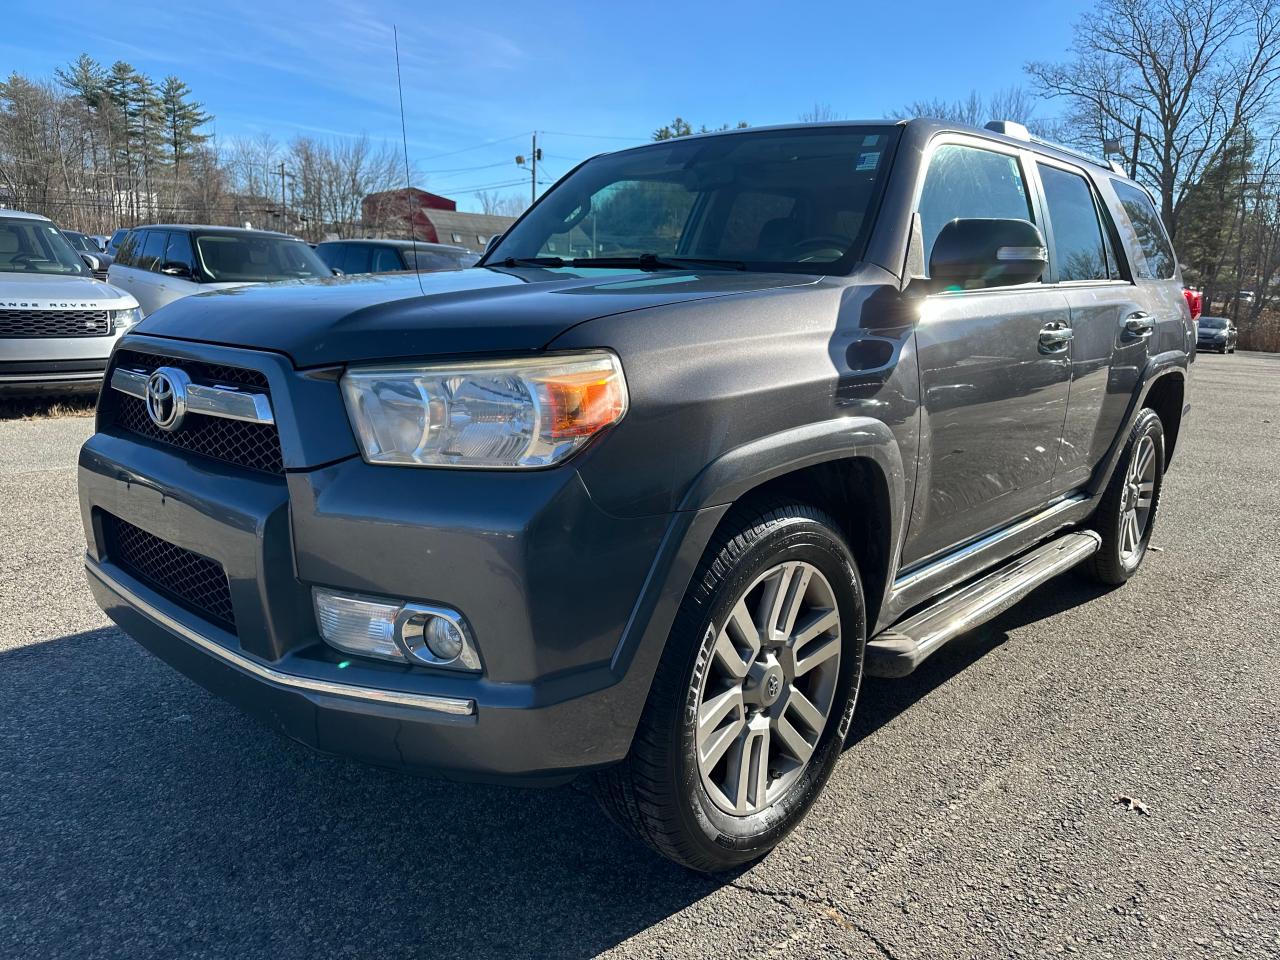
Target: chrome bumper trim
pixel 421 701
pixel 226 402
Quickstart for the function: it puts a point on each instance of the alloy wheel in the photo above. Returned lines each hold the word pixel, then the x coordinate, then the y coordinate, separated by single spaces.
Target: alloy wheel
pixel 1136 498
pixel 767 694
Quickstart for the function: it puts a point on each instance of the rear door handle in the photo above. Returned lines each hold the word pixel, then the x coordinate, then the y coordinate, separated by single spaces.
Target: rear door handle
pixel 1054 337
pixel 1139 324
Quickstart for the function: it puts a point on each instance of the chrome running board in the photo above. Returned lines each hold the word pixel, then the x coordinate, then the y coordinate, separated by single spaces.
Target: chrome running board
pixel 904 646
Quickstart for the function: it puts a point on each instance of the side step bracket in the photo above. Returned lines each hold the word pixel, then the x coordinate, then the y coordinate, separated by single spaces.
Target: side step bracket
pixel 904 646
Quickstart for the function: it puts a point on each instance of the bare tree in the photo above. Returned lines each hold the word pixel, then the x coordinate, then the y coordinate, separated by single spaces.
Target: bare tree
pixel 975 110
pixel 1174 80
pixel 502 205
pixel 819 113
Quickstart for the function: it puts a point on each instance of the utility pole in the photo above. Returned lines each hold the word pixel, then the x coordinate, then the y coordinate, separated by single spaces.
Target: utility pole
pixel 284 212
pixel 535 155
pixel 1137 145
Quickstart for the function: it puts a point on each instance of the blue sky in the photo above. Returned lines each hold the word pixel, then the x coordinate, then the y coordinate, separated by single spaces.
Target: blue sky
pixel 589 76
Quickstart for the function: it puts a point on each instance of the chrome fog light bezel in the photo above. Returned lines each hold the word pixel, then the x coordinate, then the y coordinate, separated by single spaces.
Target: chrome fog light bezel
pixel 411 633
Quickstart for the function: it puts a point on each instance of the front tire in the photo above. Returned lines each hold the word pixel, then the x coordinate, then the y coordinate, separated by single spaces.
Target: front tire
pixel 1126 516
pixel 753 695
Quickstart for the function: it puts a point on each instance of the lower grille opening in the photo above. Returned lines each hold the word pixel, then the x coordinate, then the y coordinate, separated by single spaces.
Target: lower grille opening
pixel 195 582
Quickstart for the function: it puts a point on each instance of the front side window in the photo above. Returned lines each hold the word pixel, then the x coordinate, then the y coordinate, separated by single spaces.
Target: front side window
pixel 1145 232
pixel 255 258
pixel 179 251
pixel 1077 234
pixel 37 246
pixel 782 200
pixel 153 250
pixel 965 183
pixel 386 259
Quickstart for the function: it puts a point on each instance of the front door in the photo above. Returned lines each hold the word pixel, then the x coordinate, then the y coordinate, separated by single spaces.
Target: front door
pixel 995 367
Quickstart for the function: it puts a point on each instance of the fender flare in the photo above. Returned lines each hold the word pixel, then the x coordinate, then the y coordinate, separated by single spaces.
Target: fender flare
pixel 721 483
pixel 1157 367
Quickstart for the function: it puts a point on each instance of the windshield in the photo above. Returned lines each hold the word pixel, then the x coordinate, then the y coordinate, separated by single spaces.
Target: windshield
pixel 1212 323
pixel 79 241
pixel 37 246
pixel 228 258
pixel 799 200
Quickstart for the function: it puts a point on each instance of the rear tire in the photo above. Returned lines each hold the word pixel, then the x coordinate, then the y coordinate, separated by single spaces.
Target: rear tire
pixel 714 792
pixel 1126 516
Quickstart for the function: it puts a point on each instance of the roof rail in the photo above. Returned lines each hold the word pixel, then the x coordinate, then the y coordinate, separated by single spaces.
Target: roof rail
pixel 1080 154
pixel 1019 132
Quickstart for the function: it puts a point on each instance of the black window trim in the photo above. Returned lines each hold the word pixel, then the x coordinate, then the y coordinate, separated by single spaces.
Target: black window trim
pixel 1104 218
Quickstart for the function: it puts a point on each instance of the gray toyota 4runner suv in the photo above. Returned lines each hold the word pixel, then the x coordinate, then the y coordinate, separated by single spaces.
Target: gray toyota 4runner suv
pixel 721 424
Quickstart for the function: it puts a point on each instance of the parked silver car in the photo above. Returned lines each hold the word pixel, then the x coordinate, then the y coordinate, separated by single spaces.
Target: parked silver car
pixel 57 323
pixel 162 263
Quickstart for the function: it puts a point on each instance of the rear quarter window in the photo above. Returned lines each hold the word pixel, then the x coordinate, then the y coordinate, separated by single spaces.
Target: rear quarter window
pixel 1144 234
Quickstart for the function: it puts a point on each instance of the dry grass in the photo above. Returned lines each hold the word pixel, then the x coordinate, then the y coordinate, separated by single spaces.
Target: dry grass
pixel 44 408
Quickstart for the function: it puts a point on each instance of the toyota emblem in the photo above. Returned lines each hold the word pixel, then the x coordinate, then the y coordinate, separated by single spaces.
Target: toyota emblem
pixel 167 397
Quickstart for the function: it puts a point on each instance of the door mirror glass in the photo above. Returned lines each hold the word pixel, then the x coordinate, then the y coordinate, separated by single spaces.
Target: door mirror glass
pixel 979 253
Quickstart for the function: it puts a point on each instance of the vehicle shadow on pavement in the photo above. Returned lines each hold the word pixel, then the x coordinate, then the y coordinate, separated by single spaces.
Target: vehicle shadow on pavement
pixel 140 816
pixel 881 700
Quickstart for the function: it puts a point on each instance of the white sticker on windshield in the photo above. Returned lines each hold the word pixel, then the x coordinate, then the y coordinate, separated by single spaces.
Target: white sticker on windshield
pixel 871 139
pixel 868 161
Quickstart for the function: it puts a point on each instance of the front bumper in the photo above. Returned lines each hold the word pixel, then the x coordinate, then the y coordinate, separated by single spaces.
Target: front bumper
pixel 569 605
pixel 54 376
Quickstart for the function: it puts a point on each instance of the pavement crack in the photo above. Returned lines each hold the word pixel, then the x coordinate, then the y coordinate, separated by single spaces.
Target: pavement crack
pixel 828 909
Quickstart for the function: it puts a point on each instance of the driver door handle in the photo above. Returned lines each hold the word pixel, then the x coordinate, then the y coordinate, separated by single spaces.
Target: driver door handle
pixel 1054 337
pixel 1139 324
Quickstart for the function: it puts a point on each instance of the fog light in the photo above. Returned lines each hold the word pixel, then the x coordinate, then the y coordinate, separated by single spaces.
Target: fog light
pixel 436 636
pixel 416 632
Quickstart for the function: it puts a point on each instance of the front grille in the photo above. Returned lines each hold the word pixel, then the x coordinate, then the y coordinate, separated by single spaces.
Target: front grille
pixel 195 582
pixel 252 445
pixel 33 324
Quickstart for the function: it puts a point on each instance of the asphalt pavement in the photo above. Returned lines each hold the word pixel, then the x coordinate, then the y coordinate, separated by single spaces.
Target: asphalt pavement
pixel 974 812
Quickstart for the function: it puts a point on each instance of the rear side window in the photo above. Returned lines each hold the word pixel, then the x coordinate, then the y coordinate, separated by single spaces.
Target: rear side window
pixel 1078 238
pixel 968 182
pixel 124 252
pixel 1145 233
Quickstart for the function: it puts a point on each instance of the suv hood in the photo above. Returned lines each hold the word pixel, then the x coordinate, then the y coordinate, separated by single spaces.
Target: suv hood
pixel 387 316
pixel 42 291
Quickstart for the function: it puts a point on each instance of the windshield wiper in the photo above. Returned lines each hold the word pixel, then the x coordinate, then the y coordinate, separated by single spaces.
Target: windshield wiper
pixel 534 262
pixel 652 261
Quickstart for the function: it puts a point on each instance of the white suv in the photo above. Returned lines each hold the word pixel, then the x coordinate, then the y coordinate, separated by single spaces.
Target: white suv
pixel 57 323
pixel 162 263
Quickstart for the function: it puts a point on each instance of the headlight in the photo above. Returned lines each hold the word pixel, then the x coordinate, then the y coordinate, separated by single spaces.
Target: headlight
pixel 500 414
pixel 124 319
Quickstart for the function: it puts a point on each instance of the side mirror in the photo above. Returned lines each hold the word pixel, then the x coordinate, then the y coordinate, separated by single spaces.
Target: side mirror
pixel 91 261
pixel 493 242
pixel 172 268
pixel 975 254
pixel 338 273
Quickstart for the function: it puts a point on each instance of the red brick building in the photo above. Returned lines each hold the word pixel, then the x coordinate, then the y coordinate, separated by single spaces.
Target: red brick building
pixel 433 218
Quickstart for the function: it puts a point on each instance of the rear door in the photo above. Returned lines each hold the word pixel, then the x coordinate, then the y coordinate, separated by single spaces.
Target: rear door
pixel 1096 282
pixel 994 364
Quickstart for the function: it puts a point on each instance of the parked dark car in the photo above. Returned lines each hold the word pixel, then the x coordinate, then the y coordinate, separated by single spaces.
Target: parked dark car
pixel 1216 333
pixel 83 243
pixel 838 393
pixel 387 256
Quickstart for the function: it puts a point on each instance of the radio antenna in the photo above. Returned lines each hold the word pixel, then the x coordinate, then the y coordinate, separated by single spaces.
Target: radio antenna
pixel 408 183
